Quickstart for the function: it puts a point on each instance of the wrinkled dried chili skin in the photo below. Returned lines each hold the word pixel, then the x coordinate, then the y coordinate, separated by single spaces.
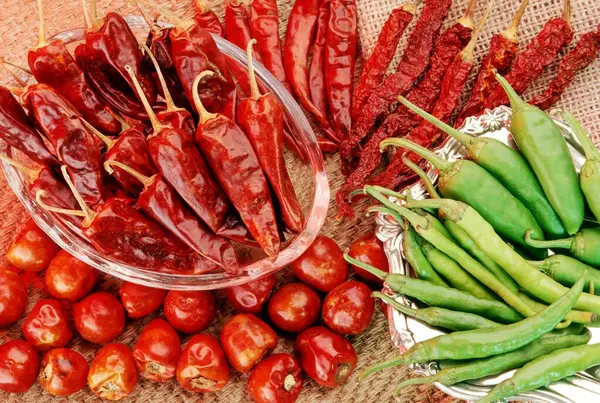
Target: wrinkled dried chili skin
pixel 401 121
pixel 17 131
pixel 340 57
pixel 131 149
pixel 316 72
pixel 210 22
pixel 178 119
pixel 262 121
pixel 160 201
pixel 236 167
pixel 195 51
pixel 375 67
pixel 532 61
pixel 52 64
pixel 499 59
pixel 75 146
pixel 414 61
pixel 577 59
pixel 237 23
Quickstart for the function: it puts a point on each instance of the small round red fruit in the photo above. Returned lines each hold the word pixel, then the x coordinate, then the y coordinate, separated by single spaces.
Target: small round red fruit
pixel 99 317
pixel 190 311
pixel 294 307
pixel 246 340
pixel 369 249
pixel 32 249
pixel 19 366
pixel 63 372
pixel 139 300
pixel 250 297
pixel 322 266
pixel 157 351
pixel 69 278
pixel 13 297
pixel 202 366
pixel 47 326
pixel 276 379
pixel 348 308
pixel 112 373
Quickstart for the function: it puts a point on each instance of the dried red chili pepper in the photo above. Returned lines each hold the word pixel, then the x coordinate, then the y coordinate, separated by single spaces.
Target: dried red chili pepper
pixel 237 23
pixel 316 71
pixel 401 121
pixel 414 62
pixel 261 117
pixel 16 130
pixel 207 19
pixel 326 145
pixel 75 146
pixel 377 64
pixel 340 57
pixel 503 49
pixel 237 168
pixel 539 54
pixel 576 60
pixel 107 50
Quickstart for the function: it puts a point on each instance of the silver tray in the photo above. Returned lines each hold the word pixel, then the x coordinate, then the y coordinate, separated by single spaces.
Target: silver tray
pixel 405 332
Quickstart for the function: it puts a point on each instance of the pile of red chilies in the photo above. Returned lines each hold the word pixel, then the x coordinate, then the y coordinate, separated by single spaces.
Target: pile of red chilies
pixel 168 196
pixel 433 74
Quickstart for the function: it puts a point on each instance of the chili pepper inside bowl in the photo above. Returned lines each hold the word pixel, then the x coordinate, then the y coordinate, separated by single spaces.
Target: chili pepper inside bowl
pixel 313 195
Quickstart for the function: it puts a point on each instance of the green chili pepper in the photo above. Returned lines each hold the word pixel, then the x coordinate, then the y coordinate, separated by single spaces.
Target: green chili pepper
pixel 544 147
pixel 466 181
pixel 438 296
pixel 462 238
pixel 546 369
pixel 566 270
pixel 573 316
pixel 508 167
pixel 500 363
pixel 584 245
pixel 476 269
pixel 414 256
pixel 528 277
pixel 440 317
pixel 482 343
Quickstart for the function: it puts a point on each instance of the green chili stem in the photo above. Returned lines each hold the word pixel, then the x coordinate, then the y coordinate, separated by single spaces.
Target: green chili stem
pixel 412 217
pixel 389 192
pixel 385 210
pixel 590 150
pixel 427 380
pixel 395 304
pixel 382 365
pixel 516 101
pixel 565 243
pixel 367 267
pixel 423 176
pixel 437 161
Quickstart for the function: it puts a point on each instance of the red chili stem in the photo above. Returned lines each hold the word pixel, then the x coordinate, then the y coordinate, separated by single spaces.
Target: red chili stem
pixel 32 173
pixel 105 139
pixel 205 116
pixel 156 125
pixel 145 180
pixel 165 88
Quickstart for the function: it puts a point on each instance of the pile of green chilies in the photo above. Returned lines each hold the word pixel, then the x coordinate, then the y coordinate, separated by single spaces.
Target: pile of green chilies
pixel 475 247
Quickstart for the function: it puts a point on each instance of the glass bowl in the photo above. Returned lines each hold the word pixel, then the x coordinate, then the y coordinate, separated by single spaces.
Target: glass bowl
pixel 315 201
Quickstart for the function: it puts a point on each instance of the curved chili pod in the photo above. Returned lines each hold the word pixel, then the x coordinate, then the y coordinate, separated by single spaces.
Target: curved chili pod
pixel 207 19
pixel 316 72
pixel 237 23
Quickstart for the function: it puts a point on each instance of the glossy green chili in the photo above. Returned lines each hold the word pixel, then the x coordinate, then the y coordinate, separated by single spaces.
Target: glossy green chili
pixel 584 245
pixel 466 181
pixel 567 270
pixel 438 296
pixel 414 256
pixel 546 369
pixel 440 317
pixel 544 147
pixel 573 316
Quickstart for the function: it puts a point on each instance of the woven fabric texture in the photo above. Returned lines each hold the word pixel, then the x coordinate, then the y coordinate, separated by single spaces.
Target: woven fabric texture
pixel 18 31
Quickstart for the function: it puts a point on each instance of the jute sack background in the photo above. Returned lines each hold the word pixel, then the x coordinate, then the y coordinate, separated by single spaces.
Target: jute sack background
pixel 18 31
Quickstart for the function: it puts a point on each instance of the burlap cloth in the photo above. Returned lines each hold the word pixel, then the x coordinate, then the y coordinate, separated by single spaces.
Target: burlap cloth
pixel 18 31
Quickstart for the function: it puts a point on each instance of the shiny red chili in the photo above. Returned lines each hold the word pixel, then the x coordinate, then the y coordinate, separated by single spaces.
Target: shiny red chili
pixel 251 297
pixel 322 266
pixel 316 71
pixel 156 351
pixel 19 366
pixel 139 300
pixel 326 357
pixel 207 19
pixel 69 278
pixel 237 23
pixel 48 325
pixel 348 308
pixel 202 366
pixel 276 379
pixel 99 317
pixel 246 340
pixel 32 249
pixel 369 249
pixel 294 307
pixel 13 297
pixel 190 311
pixel 112 373
pixel 63 372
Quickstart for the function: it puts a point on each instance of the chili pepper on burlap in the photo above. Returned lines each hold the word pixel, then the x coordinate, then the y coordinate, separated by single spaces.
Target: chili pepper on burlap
pixel 531 62
pixel 401 121
pixel 237 23
pixel 503 49
pixel 17 131
pixel 316 71
pixel 52 64
pixel 261 117
pixel 75 146
pixel 577 59
pixel 207 19
pixel 377 64
pixel 415 60
pixel 237 168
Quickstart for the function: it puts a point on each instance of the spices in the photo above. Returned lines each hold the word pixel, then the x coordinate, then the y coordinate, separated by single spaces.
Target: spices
pixel 316 71
pixel 113 374
pixel 202 366
pixel 99 317
pixel 207 19
pixel 63 372
pixel 237 23
pixel 31 249
pixel 156 351
pixel 48 325
pixel 13 297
